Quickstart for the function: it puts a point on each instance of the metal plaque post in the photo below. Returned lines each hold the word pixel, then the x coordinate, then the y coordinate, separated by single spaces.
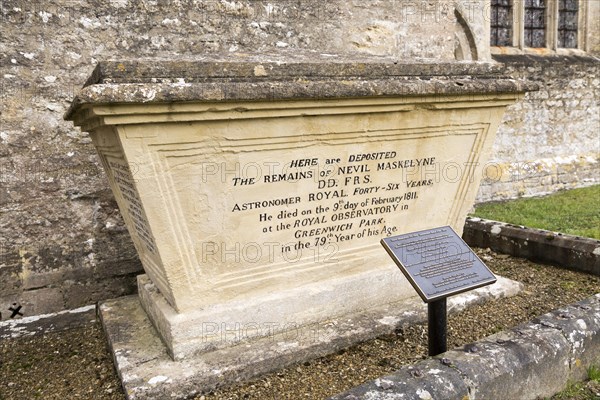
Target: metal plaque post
pixel 436 327
pixel 438 264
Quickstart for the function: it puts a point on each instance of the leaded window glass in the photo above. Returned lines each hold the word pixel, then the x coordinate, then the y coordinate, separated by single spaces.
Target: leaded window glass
pixel 501 24
pixel 535 23
pixel 567 23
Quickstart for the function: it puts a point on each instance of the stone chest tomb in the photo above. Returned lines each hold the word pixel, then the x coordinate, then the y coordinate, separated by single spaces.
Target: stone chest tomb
pixel 256 190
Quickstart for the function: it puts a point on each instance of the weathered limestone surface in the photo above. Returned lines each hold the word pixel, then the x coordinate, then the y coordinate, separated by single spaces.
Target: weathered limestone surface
pixel 550 140
pixel 46 323
pixel 63 243
pixel 567 251
pixel 542 356
pixel 256 201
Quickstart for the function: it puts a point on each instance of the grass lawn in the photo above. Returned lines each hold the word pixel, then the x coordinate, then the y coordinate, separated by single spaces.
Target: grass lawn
pixel 575 212
pixel 589 390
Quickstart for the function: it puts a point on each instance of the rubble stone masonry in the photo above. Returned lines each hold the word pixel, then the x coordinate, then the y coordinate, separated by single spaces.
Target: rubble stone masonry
pixel 63 243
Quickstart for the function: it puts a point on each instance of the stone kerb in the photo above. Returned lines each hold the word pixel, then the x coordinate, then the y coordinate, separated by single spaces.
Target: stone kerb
pixel 533 360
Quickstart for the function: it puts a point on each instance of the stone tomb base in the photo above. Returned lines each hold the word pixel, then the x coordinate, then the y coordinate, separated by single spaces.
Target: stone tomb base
pixel 147 370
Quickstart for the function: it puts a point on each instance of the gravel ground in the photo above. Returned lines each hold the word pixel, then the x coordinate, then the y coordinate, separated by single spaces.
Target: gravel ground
pixel 76 363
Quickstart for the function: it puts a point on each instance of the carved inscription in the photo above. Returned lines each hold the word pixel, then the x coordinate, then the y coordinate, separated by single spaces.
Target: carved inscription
pixel 349 197
pixel 125 183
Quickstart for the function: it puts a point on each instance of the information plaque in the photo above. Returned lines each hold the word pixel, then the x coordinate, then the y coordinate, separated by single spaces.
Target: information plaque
pixel 438 263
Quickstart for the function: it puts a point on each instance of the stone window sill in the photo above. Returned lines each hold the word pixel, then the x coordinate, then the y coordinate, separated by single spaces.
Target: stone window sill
pixel 541 51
